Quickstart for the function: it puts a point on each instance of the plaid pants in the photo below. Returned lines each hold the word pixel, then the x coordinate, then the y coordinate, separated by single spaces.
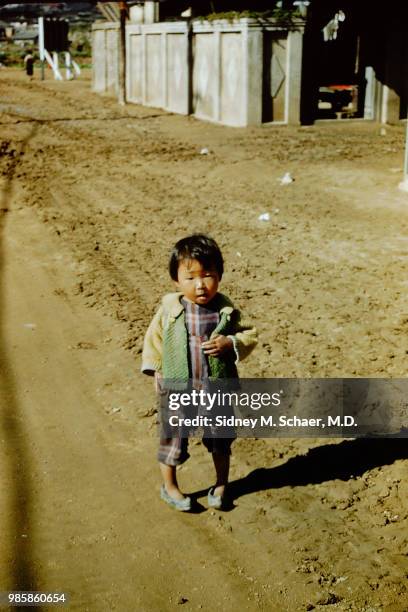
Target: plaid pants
pixel 174 451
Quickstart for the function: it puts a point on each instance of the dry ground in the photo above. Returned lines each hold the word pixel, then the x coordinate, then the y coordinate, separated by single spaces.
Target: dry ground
pixel 93 197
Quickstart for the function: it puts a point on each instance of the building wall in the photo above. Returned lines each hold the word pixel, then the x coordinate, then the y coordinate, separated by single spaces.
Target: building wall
pixel 134 72
pixel 99 61
pixel 177 82
pixel 112 60
pixel 204 79
pixel 105 57
pixel 157 65
pixel 218 71
pixel 235 79
pixel 219 63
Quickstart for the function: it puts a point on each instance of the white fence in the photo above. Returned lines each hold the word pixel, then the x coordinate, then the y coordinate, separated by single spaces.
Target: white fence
pixel 237 73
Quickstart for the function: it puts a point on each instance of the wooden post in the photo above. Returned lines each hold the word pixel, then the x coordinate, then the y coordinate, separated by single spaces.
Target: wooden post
pixel 41 45
pixel 122 54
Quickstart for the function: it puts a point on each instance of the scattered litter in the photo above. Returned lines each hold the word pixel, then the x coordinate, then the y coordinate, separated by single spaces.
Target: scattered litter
pixel 113 410
pixel 204 151
pixel 276 210
pixel 30 325
pixel 239 254
pixel 286 179
pixel 264 217
pixel 85 345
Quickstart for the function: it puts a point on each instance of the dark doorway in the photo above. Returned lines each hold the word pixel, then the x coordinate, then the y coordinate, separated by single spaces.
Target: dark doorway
pixel 373 37
pixel 333 72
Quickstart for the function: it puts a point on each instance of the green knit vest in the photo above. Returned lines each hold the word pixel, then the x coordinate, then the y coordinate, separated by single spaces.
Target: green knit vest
pixel 175 352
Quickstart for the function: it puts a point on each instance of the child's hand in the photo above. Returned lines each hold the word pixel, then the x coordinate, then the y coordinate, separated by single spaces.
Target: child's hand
pixel 157 379
pixel 217 346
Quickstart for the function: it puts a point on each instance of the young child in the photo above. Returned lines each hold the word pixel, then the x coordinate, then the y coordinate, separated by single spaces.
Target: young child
pixel 196 334
pixel 29 63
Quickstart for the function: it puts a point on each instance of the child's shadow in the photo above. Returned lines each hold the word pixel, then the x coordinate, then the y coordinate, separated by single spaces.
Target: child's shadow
pixel 196 507
pixel 324 463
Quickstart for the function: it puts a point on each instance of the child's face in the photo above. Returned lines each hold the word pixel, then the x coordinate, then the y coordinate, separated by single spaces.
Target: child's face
pixel 196 283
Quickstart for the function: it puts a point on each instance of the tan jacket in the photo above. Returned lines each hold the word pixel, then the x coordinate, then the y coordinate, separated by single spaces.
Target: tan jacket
pixel 243 335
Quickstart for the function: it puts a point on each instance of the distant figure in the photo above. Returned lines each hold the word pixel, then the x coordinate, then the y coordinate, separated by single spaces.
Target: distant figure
pixel 29 63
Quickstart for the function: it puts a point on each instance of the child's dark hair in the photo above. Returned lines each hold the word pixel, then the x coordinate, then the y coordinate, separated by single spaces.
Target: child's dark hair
pixel 200 247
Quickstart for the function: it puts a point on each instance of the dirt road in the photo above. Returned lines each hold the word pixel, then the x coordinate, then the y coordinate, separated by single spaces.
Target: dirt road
pixel 93 197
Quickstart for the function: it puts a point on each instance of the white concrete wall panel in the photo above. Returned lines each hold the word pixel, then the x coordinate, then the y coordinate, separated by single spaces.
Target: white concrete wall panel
pixel 177 73
pixel 112 58
pixel 232 98
pixel 278 69
pixel 294 76
pixel 204 75
pixel 99 61
pixel 154 68
pixel 254 73
pixel 135 69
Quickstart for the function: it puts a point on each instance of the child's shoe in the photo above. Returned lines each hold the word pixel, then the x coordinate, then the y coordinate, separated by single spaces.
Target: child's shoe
pixel 215 501
pixel 184 505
